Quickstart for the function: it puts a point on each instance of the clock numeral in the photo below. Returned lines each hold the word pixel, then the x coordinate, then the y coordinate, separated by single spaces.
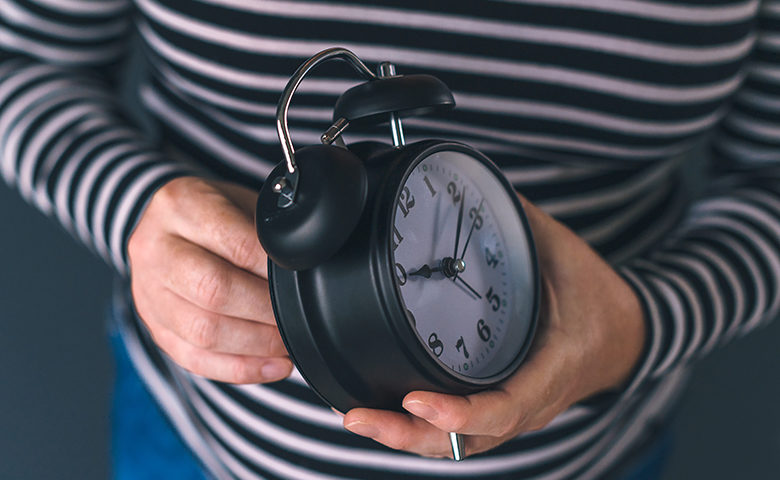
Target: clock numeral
pixel 397 238
pixel 474 215
pixel 430 187
pixel 405 201
pixel 483 330
pixel 462 344
pixel 452 189
pixel 401 273
pixel 491 258
pixel 437 347
pixel 493 299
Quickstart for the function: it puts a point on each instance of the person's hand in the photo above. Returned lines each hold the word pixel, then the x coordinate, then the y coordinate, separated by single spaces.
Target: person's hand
pixel 590 337
pixel 198 277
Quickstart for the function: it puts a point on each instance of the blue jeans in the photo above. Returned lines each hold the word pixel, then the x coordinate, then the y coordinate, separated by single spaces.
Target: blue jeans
pixel 145 445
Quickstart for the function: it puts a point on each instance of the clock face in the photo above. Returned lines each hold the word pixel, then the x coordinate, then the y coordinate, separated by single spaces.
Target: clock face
pixel 464 265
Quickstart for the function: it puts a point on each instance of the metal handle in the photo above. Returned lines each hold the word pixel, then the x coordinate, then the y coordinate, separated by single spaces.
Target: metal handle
pixel 458 450
pixel 292 85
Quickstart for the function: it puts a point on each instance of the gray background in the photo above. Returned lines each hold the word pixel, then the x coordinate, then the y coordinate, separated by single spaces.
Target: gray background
pixel 56 371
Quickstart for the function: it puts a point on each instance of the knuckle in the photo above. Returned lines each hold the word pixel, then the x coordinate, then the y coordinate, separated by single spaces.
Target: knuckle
pixel 242 371
pixel 457 421
pixel 202 332
pixel 211 290
pixel 245 252
pixel 506 429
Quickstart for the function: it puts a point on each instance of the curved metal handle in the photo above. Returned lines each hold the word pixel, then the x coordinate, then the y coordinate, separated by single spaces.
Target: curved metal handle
pixel 292 86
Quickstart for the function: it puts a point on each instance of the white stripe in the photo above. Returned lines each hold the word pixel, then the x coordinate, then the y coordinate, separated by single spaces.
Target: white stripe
pixel 714 297
pixel 106 191
pixel 755 128
pixel 700 14
pixel 84 187
pixel 737 288
pixel 770 40
pixel 129 200
pixel 652 409
pixel 687 293
pixel 21 114
pixel 613 195
pixel 166 398
pixel 652 234
pixel 545 173
pixel 16 42
pixel 746 152
pixel 32 154
pixel 575 79
pixel 554 141
pixel 580 116
pixel 91 8
pixel 607 227
pixel 389 461
pixel 204 138
pixel 56 153
pixel 234 76
pixel 673 301
pixel 16 15
pixel 760 100
pixel 714 207
pixel 669 12
pixel 654 331
pixel 764 71
pixel 65 179
pixel 292 407
pixel 759 290
pixel 451 24
pixel 771 8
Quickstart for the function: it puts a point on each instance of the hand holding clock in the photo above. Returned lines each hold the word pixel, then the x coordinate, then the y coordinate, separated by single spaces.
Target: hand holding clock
pixel 198 278
pixel 590 338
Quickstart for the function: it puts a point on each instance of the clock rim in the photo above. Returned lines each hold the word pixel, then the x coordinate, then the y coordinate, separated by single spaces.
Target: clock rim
pixel 387 208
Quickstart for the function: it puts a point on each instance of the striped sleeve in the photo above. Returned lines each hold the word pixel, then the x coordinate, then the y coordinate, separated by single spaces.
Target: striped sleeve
pixel 65 143
pixel 718 276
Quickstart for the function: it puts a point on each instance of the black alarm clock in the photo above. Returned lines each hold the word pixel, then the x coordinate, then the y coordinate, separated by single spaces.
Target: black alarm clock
pixel 395 268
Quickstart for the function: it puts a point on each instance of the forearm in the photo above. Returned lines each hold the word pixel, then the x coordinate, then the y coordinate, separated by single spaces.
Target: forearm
pixel 66 145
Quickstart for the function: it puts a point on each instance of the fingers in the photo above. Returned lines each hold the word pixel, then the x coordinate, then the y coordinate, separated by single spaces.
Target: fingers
pixel 398 431
pixel 209 217
pixel 210 331
pixel 222 367
pixel 527 401
pixel 491 413
pixel 212 283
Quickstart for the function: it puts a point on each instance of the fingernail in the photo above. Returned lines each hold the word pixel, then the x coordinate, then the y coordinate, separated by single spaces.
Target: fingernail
pixel 274 370
pixel 422 410
pixel 363 429
pixel 337 412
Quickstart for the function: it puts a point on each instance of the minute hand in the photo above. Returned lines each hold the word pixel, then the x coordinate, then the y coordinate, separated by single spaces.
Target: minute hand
pixel 471 231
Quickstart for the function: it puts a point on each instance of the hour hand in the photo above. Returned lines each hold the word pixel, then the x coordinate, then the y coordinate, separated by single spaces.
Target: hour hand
pixel 447 266
pixel 425 271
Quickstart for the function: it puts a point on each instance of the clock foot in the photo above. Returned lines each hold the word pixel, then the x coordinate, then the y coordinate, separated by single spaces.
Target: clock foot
pixel 458 451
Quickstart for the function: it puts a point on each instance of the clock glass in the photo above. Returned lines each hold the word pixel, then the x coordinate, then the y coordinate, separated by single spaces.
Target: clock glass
pixel 463 265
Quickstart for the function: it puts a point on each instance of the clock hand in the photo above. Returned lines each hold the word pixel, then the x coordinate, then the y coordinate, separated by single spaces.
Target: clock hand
pixel 448 266
pixel 460 222
pixel 471 231
pixel 425 271
pixel 465 283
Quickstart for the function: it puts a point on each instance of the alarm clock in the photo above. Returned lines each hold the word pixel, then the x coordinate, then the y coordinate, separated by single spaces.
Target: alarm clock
pixel 395 267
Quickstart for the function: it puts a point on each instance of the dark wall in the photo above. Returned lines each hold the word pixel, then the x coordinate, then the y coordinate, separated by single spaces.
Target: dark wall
pixel 55 371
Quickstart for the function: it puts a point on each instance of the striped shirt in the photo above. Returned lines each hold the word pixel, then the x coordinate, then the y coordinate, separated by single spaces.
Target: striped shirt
pixel 594 109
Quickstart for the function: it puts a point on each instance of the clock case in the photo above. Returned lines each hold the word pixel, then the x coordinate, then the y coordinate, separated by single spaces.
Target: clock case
pixel 343 321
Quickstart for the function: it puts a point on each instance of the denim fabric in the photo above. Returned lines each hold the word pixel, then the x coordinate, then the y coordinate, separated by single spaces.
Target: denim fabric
pixel 145 446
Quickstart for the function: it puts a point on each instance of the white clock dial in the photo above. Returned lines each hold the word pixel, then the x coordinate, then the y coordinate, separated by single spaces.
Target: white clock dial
pixel 463 264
